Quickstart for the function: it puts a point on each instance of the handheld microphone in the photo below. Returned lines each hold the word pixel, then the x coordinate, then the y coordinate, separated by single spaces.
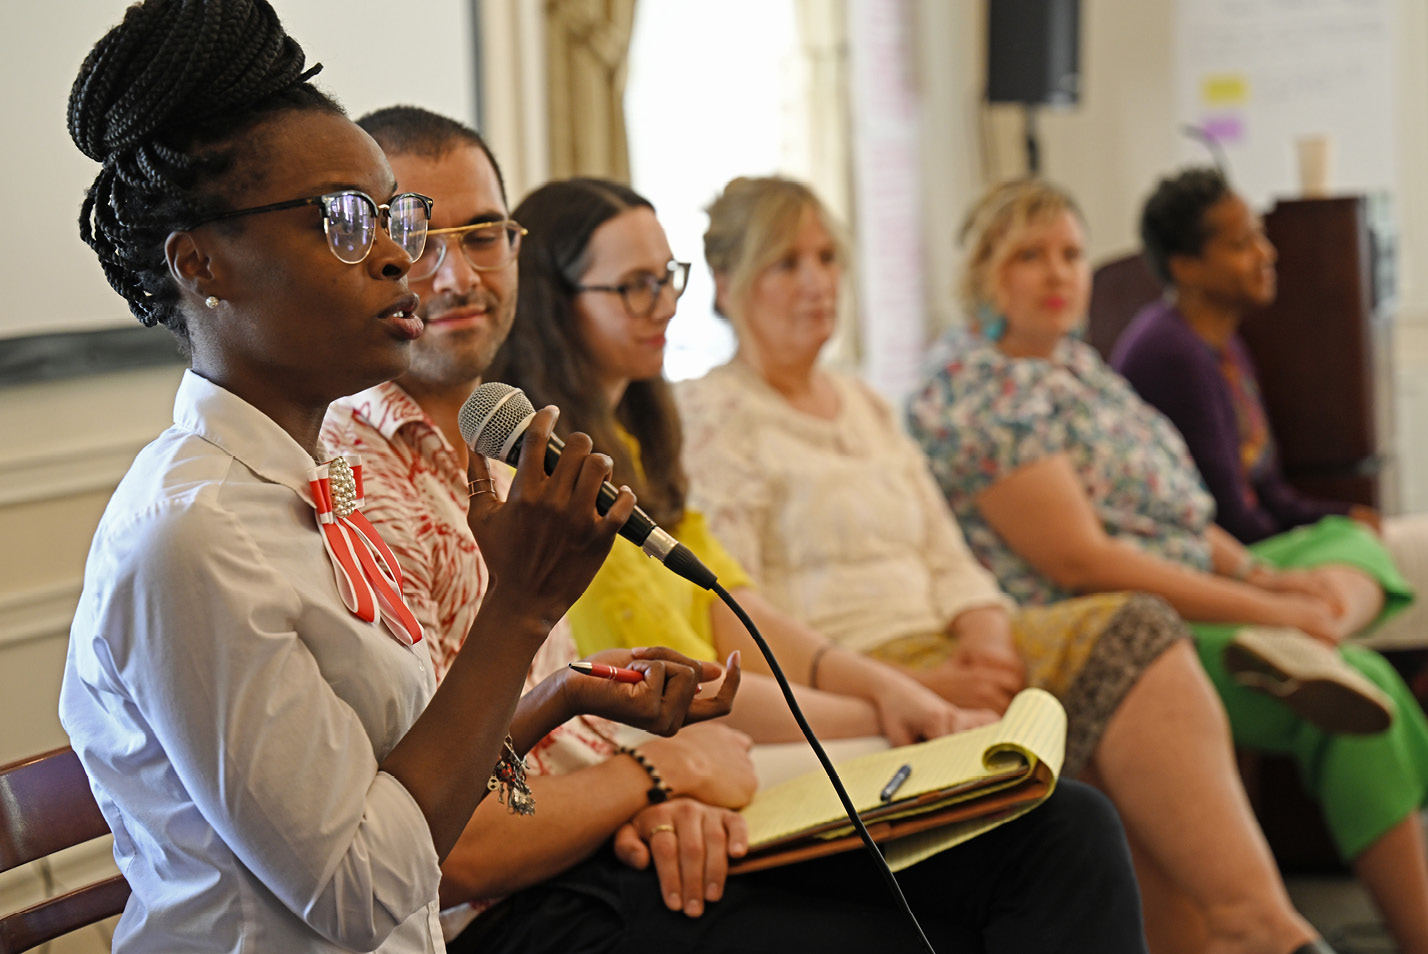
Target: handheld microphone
pixel 494 419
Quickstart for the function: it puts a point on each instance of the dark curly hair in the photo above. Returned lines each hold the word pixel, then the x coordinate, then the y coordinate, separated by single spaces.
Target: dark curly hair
pixel 163 101
pixel 1172 221
pixel 544 357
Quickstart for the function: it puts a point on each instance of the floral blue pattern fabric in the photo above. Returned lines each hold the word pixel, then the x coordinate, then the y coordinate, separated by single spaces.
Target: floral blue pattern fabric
pixel 981 415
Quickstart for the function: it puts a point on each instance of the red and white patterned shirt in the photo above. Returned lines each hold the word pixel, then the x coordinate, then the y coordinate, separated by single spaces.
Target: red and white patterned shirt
pixel 415 493
pixel 415 488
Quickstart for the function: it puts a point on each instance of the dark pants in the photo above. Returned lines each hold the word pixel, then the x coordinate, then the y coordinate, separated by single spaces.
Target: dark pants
pixel 1057 879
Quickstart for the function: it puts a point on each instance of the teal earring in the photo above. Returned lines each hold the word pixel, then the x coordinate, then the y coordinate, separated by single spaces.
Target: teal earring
pixel 991 324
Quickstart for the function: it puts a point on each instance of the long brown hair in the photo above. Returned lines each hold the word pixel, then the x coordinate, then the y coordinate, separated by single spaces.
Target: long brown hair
pixel 545 356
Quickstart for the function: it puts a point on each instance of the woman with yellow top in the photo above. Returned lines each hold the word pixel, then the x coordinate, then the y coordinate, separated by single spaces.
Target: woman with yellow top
pixel 598 286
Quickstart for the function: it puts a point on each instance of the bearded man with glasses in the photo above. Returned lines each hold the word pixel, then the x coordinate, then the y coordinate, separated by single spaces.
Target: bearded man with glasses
pixel 416 492
pixel 406 429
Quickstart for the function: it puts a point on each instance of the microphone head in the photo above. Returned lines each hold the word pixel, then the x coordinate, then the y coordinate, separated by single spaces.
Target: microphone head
pixel 493 419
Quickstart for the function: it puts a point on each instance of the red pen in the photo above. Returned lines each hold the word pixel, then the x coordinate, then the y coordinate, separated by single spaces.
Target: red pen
pixel 602 671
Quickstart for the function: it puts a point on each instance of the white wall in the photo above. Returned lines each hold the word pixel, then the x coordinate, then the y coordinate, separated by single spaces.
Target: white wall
pixel 1107 150
pixel 41 48
pixel 67 442
pixel 1110 149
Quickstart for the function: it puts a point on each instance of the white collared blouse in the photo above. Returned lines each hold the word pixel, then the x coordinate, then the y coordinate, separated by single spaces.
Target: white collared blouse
pixel 231 712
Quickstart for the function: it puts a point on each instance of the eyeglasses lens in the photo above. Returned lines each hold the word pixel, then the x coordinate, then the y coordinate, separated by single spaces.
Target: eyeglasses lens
pixel 487 246
pixel 351 226
pixel 642 296
pixel 408 224
pixel 490 247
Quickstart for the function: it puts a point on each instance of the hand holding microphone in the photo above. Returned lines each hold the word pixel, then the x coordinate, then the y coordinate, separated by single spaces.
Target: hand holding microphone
pixel 545 542
pixel 493 421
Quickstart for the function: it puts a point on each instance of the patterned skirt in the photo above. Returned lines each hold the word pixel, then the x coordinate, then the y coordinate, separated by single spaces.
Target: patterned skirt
pixel 1087 652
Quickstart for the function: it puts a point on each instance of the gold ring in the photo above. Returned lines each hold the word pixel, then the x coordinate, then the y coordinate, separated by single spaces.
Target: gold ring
pixel 484 490
pixel 659 828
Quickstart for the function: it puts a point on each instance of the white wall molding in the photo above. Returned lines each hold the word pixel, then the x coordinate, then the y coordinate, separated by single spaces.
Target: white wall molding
pixel 61 472
pixel 39 612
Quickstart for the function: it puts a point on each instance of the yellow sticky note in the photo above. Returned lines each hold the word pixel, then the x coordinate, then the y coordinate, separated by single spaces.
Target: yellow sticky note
pixel 1225 89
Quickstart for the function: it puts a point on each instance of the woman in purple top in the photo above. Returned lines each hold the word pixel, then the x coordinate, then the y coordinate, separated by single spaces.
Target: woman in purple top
pixel 1185 357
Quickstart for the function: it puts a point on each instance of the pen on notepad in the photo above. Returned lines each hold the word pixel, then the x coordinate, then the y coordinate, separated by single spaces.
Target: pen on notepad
pixel 894 783
pixel 602 671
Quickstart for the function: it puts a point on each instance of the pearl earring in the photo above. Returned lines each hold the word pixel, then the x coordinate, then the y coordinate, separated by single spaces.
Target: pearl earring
pixel 212 301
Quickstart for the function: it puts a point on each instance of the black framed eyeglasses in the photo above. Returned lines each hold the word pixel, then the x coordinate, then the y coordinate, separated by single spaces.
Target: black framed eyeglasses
pixel 350 219
pixel 642 294
pixel 487 246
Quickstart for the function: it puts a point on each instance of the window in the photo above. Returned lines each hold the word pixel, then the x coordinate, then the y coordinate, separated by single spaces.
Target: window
pixel 710 95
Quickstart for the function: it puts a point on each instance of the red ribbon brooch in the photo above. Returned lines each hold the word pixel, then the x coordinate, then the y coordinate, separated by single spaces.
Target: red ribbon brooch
pixel 368 576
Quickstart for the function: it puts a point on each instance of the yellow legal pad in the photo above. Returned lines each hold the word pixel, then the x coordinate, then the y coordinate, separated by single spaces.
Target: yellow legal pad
pixel 960 786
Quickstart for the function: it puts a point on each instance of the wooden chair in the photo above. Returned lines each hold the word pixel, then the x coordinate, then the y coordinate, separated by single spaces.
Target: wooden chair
pixel 46 805
pixel 1120 287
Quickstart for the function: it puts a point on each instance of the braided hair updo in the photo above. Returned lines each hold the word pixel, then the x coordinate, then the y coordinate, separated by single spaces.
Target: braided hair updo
pixel 162 102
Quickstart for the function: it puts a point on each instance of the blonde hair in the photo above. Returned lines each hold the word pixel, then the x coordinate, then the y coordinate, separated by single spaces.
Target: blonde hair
pixel 1001 213
pixel 752 224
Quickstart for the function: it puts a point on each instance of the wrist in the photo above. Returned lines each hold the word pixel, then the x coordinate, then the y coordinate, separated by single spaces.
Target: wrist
pixel 817 665
pixel 844 673
pixel 538 712
pixel 1262 575
pixel 500 619
pixel 1247 568
pixel 1278 609
pixel 565 702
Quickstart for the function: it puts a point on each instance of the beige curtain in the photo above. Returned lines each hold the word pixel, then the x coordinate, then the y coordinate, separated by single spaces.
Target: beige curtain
pixel 587 42
pixel 828 133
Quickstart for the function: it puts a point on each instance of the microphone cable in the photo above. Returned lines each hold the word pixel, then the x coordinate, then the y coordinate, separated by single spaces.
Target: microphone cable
pixel 848 807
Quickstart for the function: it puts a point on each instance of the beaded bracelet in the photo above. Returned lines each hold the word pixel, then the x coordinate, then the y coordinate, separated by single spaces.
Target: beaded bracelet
pixel 508 781
pixel 659 791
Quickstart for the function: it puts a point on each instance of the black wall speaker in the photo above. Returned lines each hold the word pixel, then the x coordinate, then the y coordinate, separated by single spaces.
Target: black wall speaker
pixel 1033 51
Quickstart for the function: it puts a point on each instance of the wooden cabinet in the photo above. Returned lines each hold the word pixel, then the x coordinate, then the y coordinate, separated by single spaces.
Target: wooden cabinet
pixel 1323 349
